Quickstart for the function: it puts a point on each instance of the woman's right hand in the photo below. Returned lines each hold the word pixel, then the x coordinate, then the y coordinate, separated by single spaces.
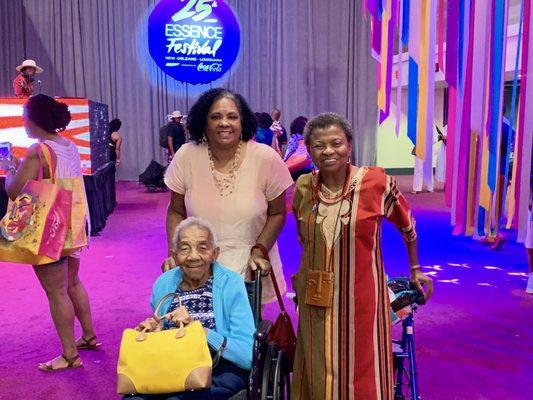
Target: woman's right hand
pixel 168 263
pixel 419 279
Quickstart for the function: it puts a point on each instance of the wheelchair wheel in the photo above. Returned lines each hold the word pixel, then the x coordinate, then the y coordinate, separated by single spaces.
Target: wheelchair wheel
pixel 276 376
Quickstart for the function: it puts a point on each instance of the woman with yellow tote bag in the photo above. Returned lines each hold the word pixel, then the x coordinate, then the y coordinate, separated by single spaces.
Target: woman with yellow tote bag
pixel 44 118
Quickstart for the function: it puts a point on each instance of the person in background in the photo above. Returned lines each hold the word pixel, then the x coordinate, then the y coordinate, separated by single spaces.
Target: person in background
pixel 440 167
pixel 115 141
pixel 296 157
pixel 23 83
pixel 175 133
pixel 264 134
pixel 495 238
pixel 418 173
pixel 278 129
pixel 44 118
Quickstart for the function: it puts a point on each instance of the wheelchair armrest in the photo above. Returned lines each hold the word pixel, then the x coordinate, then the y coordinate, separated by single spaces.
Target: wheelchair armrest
pixel 262 330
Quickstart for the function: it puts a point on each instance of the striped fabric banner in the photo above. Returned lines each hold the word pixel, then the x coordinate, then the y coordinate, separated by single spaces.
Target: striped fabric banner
pixel 422 135
pixel 440 34
pixel 479 69
pixel 12 129
pixel 399 5
pixel 405 21
pixel 464 169
pixel 478 107
pixel 508 198
pixel 525 125
pixel 413 87
pixel 498 38
pixel 452 29
pixel 388 24
pixel 452 40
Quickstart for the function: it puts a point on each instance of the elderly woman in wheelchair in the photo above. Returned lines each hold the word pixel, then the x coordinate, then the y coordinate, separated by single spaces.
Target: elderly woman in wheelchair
pixel 213 295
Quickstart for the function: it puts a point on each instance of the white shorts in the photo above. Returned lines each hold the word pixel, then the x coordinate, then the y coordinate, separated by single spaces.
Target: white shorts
pixel 76 254
pixel 529 236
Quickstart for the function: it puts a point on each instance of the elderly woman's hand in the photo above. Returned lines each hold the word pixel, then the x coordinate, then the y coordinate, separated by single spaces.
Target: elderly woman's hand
pixel 258 262
pixel 180 314
pixel 168 263
pixel 149 325
pixel 420 279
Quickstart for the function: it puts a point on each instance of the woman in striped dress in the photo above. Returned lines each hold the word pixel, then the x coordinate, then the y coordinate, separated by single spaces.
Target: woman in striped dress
pixel 344 346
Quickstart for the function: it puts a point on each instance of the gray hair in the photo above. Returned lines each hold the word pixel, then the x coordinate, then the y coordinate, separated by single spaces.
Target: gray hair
pixel 190 222
pixel 325 120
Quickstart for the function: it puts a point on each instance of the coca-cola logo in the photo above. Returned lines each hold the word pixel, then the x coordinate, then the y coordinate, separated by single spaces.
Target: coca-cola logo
pixel 193 41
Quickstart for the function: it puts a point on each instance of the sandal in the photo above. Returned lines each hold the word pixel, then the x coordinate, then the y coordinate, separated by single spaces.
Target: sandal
pixel 46 367
pixel 88 344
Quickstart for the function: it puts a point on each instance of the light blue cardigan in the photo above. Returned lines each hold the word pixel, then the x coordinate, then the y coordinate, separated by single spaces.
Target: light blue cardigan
pixel 233 313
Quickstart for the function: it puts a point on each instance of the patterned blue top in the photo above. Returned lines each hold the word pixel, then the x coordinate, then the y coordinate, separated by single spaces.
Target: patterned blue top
pixel 199 304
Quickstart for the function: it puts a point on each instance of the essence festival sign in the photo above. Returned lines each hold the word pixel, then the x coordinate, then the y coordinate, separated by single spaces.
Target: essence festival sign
pixel 193 41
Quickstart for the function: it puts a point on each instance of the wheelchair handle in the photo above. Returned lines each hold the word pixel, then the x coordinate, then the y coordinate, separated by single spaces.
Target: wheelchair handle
pixel 266 256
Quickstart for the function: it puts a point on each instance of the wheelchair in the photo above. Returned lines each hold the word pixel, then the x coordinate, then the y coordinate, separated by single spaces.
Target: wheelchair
pixel 407 299
pixel 270 374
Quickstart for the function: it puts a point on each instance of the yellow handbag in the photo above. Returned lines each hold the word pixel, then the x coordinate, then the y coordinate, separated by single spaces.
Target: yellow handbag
pixel 169 361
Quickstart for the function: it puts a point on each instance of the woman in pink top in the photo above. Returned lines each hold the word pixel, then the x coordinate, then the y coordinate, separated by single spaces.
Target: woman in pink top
pixel 44 118
pixel 235 183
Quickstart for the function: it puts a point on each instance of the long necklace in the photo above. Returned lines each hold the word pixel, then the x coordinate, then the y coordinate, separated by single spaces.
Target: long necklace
pixel 225 183
pixel 327 196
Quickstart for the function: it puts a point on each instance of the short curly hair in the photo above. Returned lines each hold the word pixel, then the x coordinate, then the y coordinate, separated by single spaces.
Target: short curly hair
pixel 298 125
pixel 47 113
pixel 325 120
pixel 197 117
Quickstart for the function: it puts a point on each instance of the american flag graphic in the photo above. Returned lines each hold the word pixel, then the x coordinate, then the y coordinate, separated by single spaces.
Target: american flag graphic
pixel 12 128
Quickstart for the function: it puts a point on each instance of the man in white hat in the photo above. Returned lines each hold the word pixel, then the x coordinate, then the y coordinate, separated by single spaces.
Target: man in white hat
pixel 23 83
pixel 175 133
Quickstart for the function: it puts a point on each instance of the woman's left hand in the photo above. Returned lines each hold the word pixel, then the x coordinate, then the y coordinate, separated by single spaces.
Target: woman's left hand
pixel 420 279
pixel 258 262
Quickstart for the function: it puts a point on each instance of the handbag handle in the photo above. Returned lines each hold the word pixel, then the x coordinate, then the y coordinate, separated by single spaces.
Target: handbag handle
pixel 264 252
pixel 165 297
pixel 180 332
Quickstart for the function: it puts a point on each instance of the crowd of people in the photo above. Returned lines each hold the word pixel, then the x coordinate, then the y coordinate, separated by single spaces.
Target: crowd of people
pixel 228 191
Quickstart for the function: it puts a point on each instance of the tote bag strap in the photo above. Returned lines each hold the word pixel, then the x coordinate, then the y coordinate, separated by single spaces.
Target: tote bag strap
pixel 50 158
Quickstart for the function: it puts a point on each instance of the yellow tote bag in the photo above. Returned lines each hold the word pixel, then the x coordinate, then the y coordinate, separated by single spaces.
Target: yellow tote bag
pixel 34 229
pixel 164 362
pixel 76 234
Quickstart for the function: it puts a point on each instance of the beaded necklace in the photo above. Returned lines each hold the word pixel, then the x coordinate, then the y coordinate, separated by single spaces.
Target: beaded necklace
pixel 225 183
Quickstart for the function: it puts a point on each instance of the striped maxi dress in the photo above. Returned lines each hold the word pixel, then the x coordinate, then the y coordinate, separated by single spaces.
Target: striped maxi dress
pixel 345 351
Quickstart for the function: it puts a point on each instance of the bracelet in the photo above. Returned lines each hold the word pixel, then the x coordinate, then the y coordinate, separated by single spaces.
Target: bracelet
pixel 263 250
pixel 415 267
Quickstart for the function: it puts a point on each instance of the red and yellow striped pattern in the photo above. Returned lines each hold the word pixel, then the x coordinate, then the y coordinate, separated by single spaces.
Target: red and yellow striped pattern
pixel 12 128
pixel 345 352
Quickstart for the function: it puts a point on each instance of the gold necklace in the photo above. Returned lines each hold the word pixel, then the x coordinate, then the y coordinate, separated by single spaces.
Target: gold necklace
pixel 225 184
